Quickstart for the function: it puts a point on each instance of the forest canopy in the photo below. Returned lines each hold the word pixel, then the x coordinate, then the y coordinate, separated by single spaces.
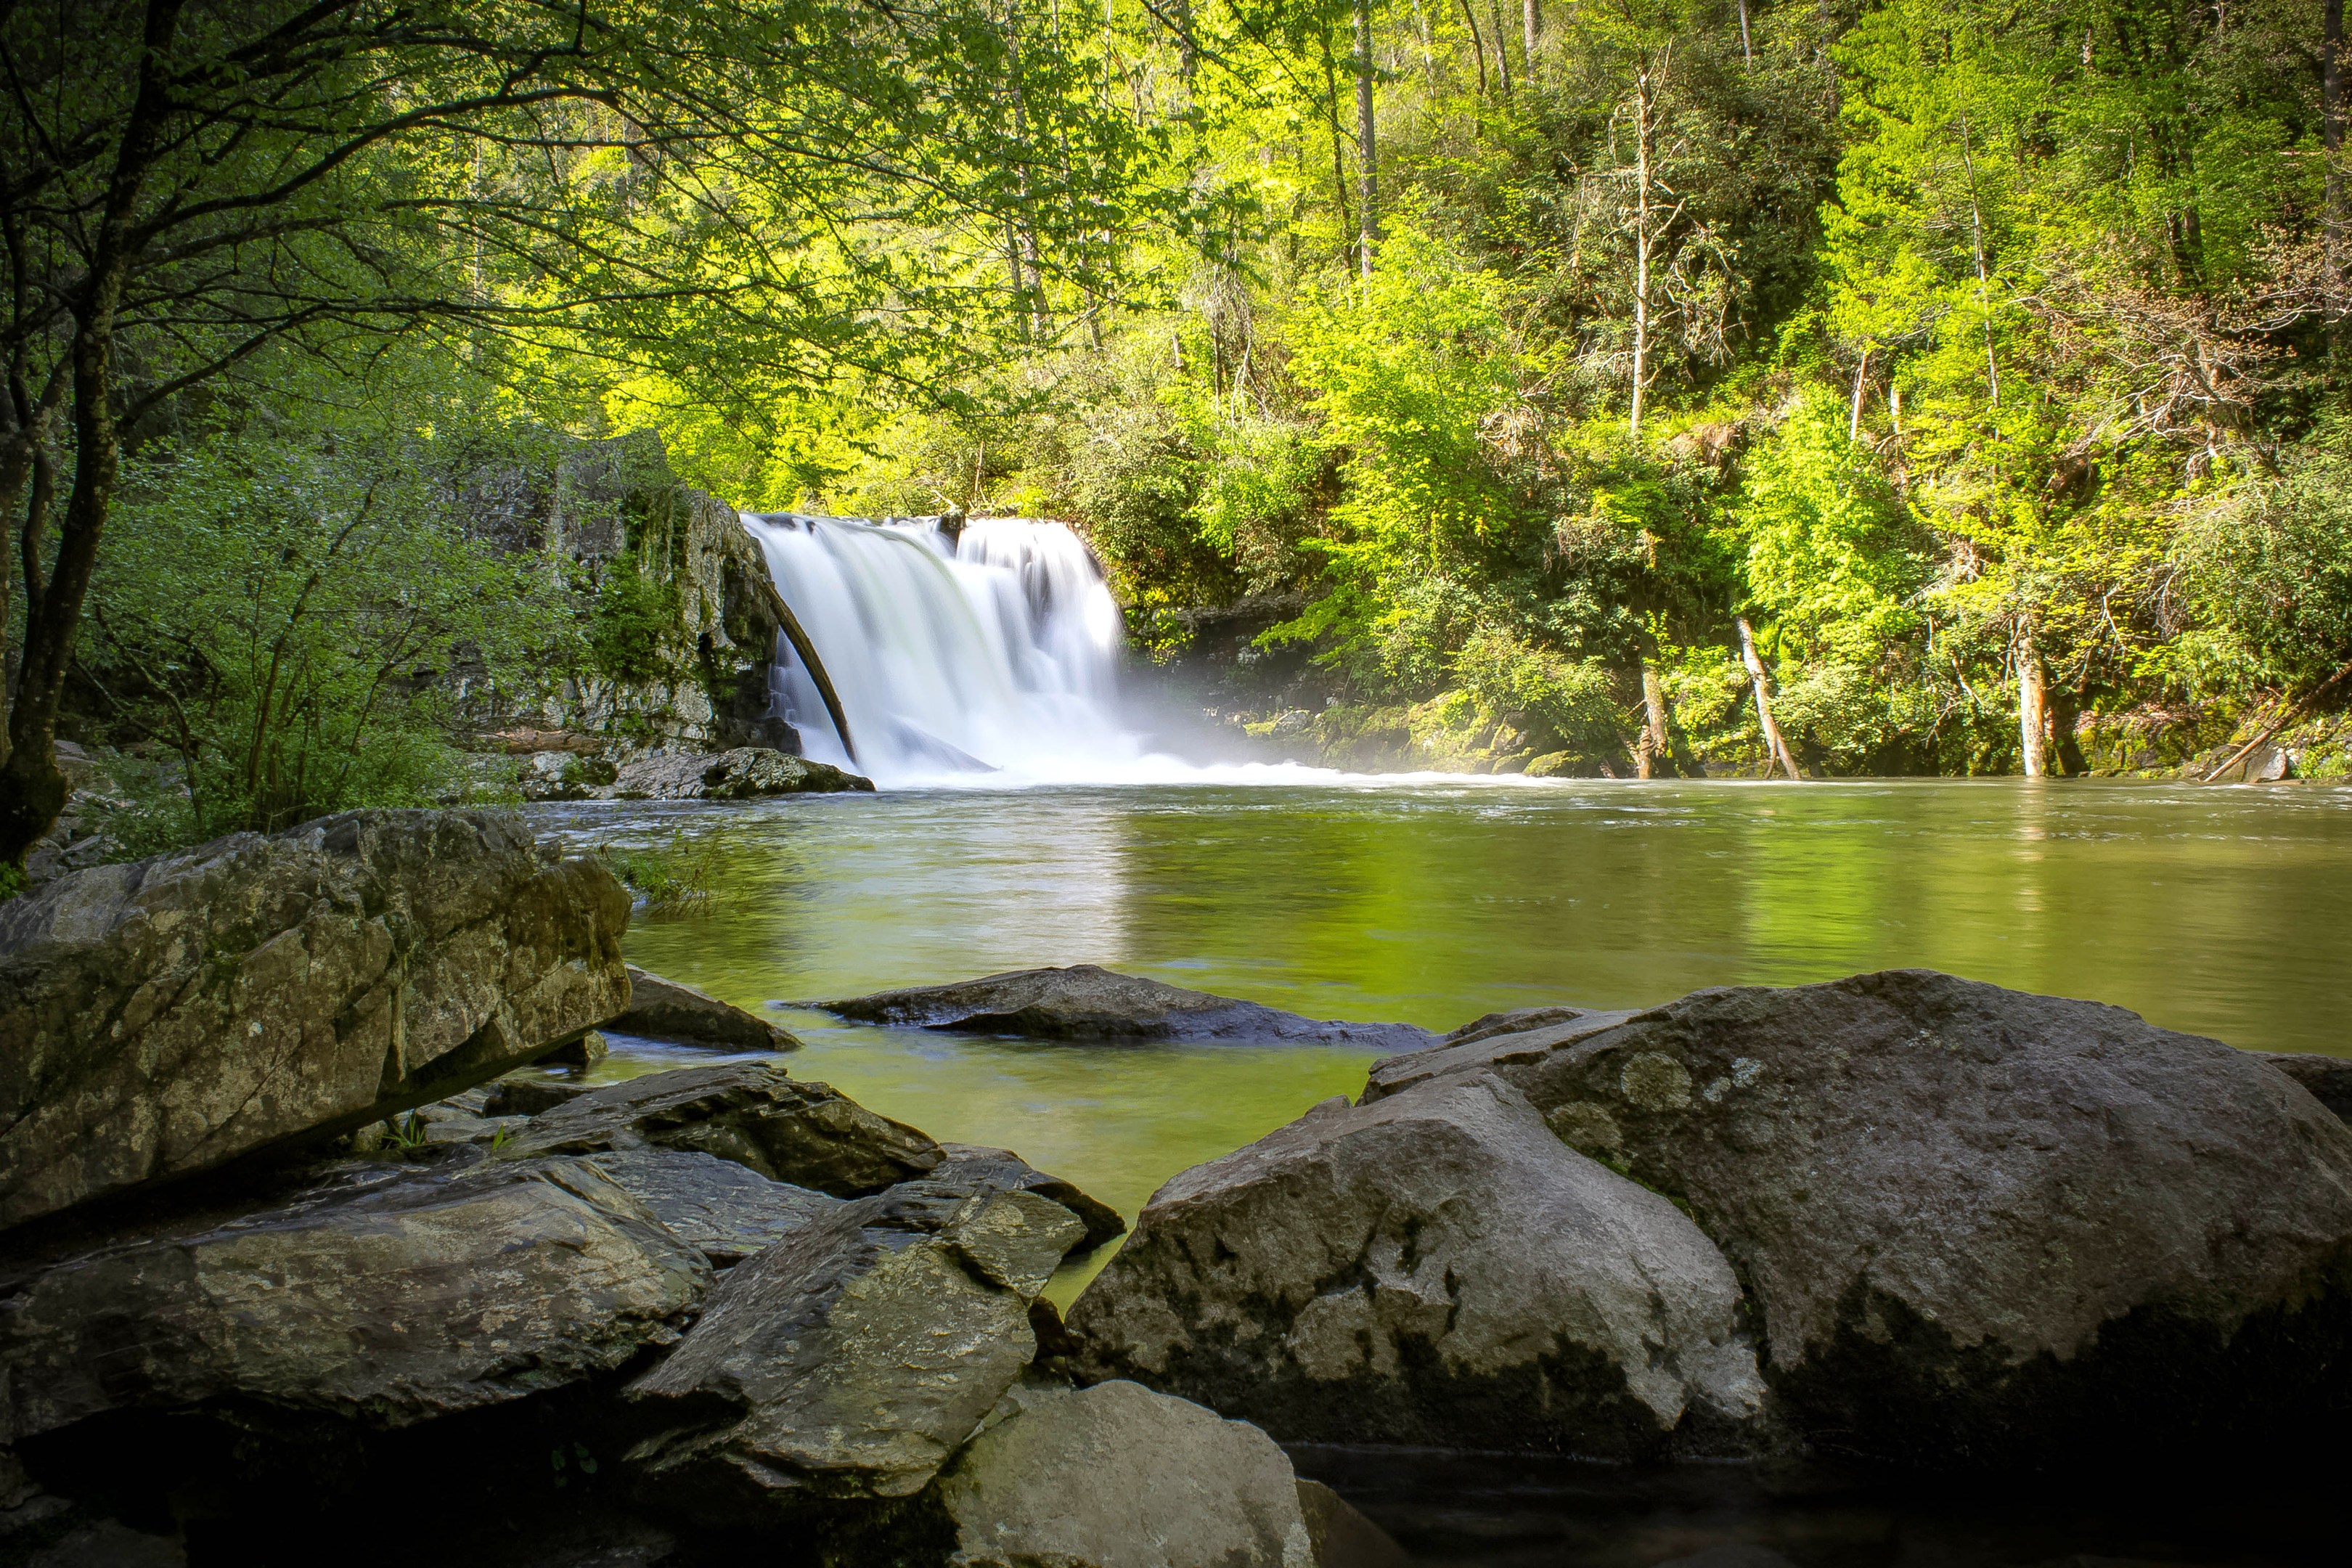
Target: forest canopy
pixel 1967 377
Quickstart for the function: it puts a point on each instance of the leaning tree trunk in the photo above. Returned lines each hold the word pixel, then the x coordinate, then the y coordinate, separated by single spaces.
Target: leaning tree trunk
pixel 2032 701
pixel 1651 756
pixel 1778 749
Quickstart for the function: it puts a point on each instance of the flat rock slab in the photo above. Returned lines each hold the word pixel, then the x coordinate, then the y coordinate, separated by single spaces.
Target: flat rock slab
pixel 1982 1226
pixel 1002 1170
pixel 1087 1003
pixel 722 1208
pixel 166 1017
pixel 850 1360
pixel 746 773
pixel 664 1010
pixel 1436 1268
pixel 804 1133
pixel 1117 1475
pixel 387 1297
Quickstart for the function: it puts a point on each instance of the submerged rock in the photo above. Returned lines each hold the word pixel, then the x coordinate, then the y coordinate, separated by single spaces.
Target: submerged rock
pixel 390 1296
pixel 1436 1268
pixel 804 1133
pixel 1980 1226
pixel 664 1010
pixel 744 773
pixel 1087 1003
pixel 1117 1475
pixel 166 1017
pixel 847 1361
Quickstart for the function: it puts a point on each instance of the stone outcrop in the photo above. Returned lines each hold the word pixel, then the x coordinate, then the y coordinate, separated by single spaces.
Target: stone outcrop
pixel 1976 1225
pixel 803 1134
pixel 1001 1170
pixel 1117 1475
pixel 1437 1270
pixel 387 1297
pixel 166 1017
pixel 664 1010
pixel 1085 1002
pixel 746 773
pixel 722 1209
pixel 2327 1079
pixel 848 1361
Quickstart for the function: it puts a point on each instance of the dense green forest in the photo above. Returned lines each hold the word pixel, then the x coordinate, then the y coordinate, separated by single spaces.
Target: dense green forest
pixel 1964 381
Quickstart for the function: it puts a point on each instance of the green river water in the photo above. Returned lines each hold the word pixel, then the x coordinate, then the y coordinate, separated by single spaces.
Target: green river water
pixel 2225 911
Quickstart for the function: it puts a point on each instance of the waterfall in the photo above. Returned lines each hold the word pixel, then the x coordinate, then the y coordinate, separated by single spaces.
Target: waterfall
pixel 959 656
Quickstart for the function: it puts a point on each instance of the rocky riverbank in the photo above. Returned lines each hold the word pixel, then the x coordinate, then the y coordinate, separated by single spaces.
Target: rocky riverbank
pixel 288 1236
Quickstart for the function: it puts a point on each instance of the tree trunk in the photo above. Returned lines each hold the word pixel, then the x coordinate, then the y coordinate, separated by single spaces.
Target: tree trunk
pixel 1777 748
pixel 2032 701
pixel 1532 21
pixel 1643 105
pixel 2331 135
pixel 1368 166
pixel 1854 420
pixel 1654 752
pixel 1984 273
pixel 1747 50
pixel 1501 51
pixel 1477 45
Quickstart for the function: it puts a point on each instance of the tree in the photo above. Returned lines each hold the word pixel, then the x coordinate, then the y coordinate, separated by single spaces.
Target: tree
pixel 186 183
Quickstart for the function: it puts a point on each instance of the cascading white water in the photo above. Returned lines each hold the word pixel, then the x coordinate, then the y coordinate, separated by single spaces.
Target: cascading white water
pixel 956 658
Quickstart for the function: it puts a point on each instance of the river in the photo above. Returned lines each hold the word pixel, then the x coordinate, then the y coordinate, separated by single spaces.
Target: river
pixel 2225 911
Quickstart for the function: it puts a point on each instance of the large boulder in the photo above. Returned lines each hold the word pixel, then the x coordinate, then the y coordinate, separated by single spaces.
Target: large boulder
pixel 804 1133
pixel 745 772
pixel 1002 1170
pixel 1980 1226
pixel 664 1010
pixel 1117 1475
pixel 1087 1003
pixel 2327 1079
pixel 168 1015
pixel 1437 1270
pixel 385 1298
pixel 849 1360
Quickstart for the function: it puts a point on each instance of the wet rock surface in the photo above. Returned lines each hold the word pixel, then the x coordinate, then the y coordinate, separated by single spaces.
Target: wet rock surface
pixel 787 1131
pixel 849 1360
pixel 746 773
pixel 723 1209
pixel 1085 1002
pixel 168 1015
pixel 1002 1170
pixel 1978 1226
pixel 1161 1483
pixel 387 1296
pixel 1437 1270
pixel 664 1010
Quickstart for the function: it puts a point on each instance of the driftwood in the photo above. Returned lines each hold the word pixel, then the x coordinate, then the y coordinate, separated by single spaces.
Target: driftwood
pixel 799 639
pixel 2286 716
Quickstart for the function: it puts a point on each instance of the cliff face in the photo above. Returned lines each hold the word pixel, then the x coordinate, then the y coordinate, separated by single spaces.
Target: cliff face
pixel 681 621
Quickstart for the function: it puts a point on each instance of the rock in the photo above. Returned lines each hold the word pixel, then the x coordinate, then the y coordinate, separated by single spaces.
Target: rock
pixel 1002 1170
pixel 529 1096
pixel 1087 1003
pixel 1474 1049
pixel 109 1543
pixel 1344 1537
pixel 724 1210
pixel 1983 1227
pixel 168 1015
pixel 584 1052
pixel 1118 1476
pixel 803 1134
pixel 664 1010
pixel 743 773
pixel 1516 1022
pixel 388 1296
pixel 849 1360
pixel 2327 1079
pixel 1435 1268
